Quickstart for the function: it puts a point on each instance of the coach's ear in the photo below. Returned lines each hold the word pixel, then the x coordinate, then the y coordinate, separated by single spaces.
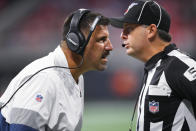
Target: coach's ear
pixel 152 32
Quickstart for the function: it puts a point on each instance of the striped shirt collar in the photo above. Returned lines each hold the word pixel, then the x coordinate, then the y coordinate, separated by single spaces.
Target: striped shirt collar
pixel 161 55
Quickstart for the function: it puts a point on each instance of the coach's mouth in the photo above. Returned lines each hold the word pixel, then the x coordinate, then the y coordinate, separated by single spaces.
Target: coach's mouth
pixel 105 54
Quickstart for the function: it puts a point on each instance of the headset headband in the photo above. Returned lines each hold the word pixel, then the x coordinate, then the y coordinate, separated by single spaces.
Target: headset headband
pixel 74 25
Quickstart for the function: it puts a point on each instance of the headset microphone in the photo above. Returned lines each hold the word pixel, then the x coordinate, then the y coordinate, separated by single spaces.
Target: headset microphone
pixel 123 45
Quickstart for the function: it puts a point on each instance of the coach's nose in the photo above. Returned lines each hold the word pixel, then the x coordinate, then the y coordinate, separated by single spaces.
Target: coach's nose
pixel 109 46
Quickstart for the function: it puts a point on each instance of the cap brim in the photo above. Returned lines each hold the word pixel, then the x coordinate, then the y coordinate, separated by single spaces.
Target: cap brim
pixel 117 22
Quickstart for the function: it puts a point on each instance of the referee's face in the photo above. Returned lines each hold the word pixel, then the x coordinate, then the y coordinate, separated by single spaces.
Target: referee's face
pixel 134 38
pixel 98 48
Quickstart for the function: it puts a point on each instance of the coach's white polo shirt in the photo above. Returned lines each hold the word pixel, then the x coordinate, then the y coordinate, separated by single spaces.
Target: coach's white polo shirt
pixel 51 100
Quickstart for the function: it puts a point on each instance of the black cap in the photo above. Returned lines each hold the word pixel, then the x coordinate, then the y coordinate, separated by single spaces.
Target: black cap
pixel 144 12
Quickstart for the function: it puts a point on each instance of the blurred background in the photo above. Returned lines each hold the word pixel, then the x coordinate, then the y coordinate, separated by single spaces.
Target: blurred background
pixel 30 29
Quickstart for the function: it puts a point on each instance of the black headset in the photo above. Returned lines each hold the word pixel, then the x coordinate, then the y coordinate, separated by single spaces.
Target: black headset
pixel 75 39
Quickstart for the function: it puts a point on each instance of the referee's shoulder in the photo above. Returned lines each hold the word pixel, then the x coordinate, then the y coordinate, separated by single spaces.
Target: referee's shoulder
pixel 178 62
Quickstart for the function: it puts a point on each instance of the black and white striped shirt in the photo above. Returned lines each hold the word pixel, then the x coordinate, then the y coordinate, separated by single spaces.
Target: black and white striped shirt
pixel 167 101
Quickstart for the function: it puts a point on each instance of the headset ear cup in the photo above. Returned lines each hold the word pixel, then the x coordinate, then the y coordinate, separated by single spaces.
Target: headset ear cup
pixel 73 41
pixel 81 43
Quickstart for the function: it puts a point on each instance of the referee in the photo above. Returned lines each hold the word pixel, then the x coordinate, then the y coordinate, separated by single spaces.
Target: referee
pixel 167 97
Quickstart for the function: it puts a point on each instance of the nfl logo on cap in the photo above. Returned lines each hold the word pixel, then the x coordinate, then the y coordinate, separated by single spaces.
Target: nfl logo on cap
pixel 133 4
pixel 153 107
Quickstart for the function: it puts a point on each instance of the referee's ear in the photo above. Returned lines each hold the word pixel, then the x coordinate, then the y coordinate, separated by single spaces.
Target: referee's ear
pixel 152 31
